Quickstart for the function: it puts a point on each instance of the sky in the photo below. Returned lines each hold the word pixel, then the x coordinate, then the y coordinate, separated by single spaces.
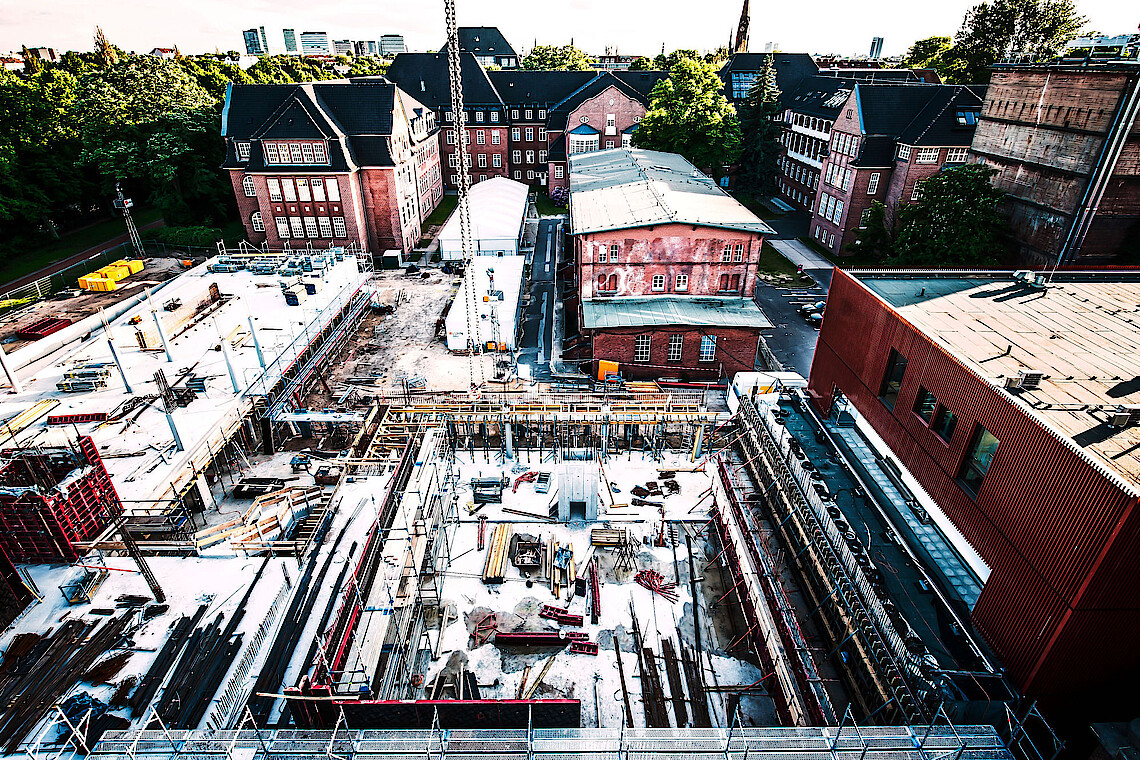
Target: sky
pixel 633 27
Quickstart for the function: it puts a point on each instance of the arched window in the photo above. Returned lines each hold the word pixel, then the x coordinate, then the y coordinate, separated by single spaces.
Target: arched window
pixel 255 220
pixel 248 186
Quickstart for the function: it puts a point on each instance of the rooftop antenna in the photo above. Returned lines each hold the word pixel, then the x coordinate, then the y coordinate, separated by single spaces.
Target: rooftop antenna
pixel 125 205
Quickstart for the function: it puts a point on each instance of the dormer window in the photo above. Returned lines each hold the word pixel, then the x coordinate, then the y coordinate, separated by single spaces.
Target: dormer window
pixel 967 118
pixel 295 153
pixel 243 151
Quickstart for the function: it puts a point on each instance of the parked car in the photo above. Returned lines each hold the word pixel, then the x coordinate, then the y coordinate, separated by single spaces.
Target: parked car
pixel 815 320
pixel 811 308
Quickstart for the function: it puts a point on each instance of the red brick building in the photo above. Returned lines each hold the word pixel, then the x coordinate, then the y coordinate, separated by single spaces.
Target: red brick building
pixel 1016 407
pixel 666 264
pixel 329 163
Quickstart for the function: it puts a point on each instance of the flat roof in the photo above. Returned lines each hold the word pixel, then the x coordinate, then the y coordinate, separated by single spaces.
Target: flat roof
pixel 1082 330
pixel 672 310
pixel 618 189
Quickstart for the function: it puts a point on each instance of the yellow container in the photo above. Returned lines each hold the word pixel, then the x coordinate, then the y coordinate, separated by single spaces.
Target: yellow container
pixel 135 265
pixel 115 272
pixel 85 282
pixel 111 285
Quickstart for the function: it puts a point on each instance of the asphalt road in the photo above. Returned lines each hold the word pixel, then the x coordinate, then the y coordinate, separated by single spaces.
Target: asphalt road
pixel 538 326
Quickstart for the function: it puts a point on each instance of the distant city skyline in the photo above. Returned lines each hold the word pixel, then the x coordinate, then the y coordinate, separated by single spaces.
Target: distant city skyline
pixel 635 27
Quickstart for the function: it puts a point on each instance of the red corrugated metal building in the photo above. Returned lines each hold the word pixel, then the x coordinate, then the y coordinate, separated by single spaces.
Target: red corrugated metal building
pixel 932 362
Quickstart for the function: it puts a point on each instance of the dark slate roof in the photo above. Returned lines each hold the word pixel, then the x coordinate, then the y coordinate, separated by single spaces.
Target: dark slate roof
pixel 887 109
pixel 519 87
pixel 424 76
pixel 937 122
pixel 585 129
pixel 556 118
pixel 483 40
pixel 371 150
pixel 249 105
pixel 557 150
pixel 872 75
pixel 360 107
pixel 642 81
pixel 791 68
pixel 877 151
pixel 819 96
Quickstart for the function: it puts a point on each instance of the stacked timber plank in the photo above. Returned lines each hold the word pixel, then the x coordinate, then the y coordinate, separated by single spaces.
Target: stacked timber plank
pixel 495 566
pixel 270 518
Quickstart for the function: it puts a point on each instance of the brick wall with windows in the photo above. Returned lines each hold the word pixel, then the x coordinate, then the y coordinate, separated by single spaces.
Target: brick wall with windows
pixel 668 260
pixel 676 351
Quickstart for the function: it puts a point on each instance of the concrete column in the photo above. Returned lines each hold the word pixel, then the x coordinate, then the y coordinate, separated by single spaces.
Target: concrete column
pixel 161 329
pixel 119 364
pixel 508 437
pixel 256 343
pixel 9 372
pixel 229 359
pixel 174 431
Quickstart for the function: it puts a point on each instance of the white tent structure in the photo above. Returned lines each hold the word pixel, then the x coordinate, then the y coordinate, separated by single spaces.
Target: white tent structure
pixel 498 289
pixel 498 212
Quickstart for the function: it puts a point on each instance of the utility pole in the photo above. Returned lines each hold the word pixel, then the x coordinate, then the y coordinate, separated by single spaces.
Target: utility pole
pixel 125 205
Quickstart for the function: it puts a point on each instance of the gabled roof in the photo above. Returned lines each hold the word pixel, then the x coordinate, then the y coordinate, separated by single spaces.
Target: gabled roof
pixel 425 77
pixel 820 96
pixel 519 87
pixel 483 40
pixel 642 81
pixel 791 68
pixel 872 75
pixel 249 105
pixel 877 151
pixel 887 109
pixel 596 86
pixel 623 189
pixel 937 122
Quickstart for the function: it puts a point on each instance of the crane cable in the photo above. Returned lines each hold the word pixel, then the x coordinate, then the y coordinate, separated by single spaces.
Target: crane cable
pixel 463 181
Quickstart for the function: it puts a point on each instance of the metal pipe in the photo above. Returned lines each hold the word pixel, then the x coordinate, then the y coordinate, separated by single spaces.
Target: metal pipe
pixel 161 329
pixel 10 372
pixel 256 343
pixel 225 346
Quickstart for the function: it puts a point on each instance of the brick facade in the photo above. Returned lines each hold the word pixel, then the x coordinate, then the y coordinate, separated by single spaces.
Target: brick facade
pixel 735 352
pixel 595 112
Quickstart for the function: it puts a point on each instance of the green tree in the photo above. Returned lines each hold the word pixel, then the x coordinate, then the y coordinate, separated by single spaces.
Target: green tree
pixel 874 240
pixel 641 64
pixel 107 53
pixel 688 114
pixel 718 56
pixel 991 30
pixel 955 223
pixel 760 128
pixel 927 53
pixel 664 62
pixel 556 58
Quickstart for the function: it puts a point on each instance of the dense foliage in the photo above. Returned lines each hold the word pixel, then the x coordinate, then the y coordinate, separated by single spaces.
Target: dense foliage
pixel 73 128
pixel 995 29
pixel 688 114
pixel 556 58
pixel 761 126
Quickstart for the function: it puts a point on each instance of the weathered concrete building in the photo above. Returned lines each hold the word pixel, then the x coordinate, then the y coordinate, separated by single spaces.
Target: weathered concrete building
pixel 1065 140
pixel 665 263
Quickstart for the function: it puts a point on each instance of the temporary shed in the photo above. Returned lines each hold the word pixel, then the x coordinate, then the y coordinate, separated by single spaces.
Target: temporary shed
pixel 498 288
pixel 498 211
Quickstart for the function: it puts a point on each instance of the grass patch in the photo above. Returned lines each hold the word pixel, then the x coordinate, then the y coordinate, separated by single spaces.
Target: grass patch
pixel 546 207
pixel 32 258
pixel 774 262
pixel 446 205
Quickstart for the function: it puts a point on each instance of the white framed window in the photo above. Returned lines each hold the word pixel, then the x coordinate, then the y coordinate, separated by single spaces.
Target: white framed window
pixel 613 251
pixel 288 191
pixel 583 144
pixel 542 113
pixel 450 137
pixel 516 156
pixel 738 252
pixel 326 226
pixel 558 172
pixel 271 155
pixel 831 240
pixel 681 284
pixel 626 140
pixel 495 116
pixel 726 253
pixel 453 160
pixel 516 134
pixel 916 194
pixel 641 346
pixel 319 155
pixel 927 156
pixel 496 160
pixel 529 114
pixel 248 186
pixel 708 348
pixel 482 161
pixel 957 155
pixel 530 173
pixel 255 222
pixel 333 188
pixel 338 227
pixel 514 113
pixel 455 179
pixel 303 190
pixel 518 174
pixel 448 116
pixel 282 226
pixel 873 183
pixel 609 144
pixel 318 189
pixel 542 156
pixel 479 116
pixel 243 151
pixel 295 226
pixel 311 226
pixel 495 137
pixel 307 152
pixel 658 282
pixel 602 254
pixel 904 153
pixel 838 213
pixel 480 137
pixel 846 179
pixel 274 186
pixel 542 134
pixel 530 156
pixel 295 153
pixel 676 344
pixel 529 134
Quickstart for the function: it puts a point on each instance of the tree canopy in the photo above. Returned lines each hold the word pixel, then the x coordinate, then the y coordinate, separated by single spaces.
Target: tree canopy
pixel 667 62
pixel 956 222
pixel 556 58
pixel 688 114
pixel 761 127
pixel 641 64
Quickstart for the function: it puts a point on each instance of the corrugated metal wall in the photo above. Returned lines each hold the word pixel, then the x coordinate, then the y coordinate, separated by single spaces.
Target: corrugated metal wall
pixel 1059 536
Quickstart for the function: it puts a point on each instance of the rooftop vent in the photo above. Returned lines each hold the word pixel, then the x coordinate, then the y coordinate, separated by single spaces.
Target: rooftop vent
pixel 1030 380
pixel 1125 415
pixel 1028 277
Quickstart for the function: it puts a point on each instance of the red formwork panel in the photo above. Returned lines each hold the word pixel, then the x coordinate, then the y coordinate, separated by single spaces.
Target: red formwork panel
pixel 43 328
pixel 41 522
